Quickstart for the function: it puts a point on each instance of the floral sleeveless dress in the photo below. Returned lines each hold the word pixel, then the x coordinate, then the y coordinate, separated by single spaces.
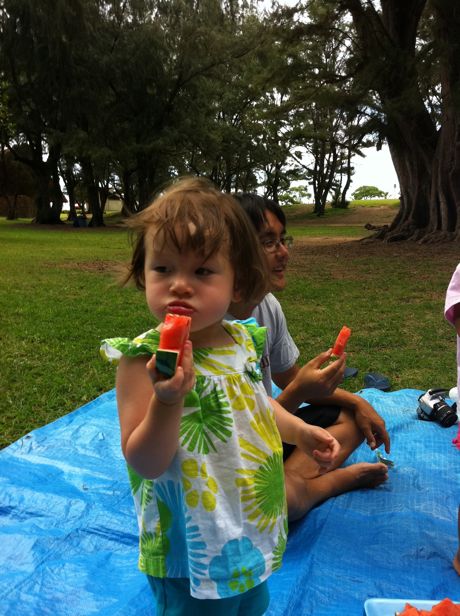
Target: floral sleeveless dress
pixel 218 514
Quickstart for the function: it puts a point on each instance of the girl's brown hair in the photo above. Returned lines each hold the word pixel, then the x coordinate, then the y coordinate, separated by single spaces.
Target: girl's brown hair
pixel 193 214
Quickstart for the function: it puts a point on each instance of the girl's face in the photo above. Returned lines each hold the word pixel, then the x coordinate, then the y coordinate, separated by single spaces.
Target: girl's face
pixel 187 283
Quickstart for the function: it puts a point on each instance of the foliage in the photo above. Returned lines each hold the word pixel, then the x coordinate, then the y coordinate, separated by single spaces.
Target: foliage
pixel 369 192
pixel 328 123
pixel 124 96
pixel 296 194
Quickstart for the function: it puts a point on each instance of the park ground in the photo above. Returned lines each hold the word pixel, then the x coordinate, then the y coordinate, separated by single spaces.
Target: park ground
pixel 61 298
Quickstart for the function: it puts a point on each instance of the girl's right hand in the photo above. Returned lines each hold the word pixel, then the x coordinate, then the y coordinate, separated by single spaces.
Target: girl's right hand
pixel 170 391
pixel 320 444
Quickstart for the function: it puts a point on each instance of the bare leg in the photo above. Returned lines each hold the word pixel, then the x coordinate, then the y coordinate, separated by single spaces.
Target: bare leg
pixel 306 487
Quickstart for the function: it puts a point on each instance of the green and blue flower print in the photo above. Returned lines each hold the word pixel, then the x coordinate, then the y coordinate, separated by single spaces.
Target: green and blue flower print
pixel 246 563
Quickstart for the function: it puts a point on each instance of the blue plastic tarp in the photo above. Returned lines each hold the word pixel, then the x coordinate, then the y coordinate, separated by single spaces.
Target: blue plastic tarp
pixel 68 532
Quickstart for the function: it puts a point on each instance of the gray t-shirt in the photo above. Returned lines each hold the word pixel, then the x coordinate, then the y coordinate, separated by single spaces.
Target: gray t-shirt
pixel 280 351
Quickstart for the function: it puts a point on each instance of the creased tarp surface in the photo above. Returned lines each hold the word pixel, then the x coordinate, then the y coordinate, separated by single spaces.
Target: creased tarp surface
pixel 68 534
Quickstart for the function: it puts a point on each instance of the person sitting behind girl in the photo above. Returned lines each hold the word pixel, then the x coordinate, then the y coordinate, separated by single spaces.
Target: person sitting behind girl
pixel 203 449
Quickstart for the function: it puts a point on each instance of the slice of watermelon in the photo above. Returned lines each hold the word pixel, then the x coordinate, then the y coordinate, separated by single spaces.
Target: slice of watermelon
pixel 409 610
pixel 341 341
pixel 446 608
pixel 173 336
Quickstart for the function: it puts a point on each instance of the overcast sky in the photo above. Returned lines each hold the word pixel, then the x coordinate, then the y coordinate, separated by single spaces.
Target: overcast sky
pixel 376 169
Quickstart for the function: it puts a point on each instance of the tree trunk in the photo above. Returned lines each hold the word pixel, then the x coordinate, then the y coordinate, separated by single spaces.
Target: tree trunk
pixel 445 201
pixel 346 187
pixel 46 214
pixel 97 218
pixel 72 203
pixel 413 165
pixel 12 207
pixel 129 201
pixel 48 196
pixel 428 162
pixel 70 183
pixel 103 196
pixel 143 182
pixel 325 166
pixel 388 42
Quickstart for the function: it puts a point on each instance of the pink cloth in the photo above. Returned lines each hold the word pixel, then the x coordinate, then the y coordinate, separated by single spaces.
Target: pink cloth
pixel 453 298
pixel 456 440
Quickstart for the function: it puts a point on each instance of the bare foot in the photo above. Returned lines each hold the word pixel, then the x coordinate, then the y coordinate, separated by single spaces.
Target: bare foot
pixel 304 493
pixel 366 475
pixel 456 562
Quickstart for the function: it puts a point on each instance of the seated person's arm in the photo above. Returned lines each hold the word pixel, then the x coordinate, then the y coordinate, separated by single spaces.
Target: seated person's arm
pixel 297 390
pixel 368 420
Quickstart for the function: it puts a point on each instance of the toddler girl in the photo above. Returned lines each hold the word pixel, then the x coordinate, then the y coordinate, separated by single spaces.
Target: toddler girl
pixel 203 450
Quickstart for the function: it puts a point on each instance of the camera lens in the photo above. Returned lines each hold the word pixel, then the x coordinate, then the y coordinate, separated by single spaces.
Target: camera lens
pixel 444 415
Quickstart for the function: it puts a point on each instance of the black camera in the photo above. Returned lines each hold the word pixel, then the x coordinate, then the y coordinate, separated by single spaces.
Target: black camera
pixel 433 407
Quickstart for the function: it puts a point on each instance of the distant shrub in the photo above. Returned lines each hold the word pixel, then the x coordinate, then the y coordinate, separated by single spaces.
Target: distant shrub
pixel 369 192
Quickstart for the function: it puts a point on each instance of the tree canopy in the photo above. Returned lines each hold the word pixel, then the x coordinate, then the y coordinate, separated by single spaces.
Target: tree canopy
pixel 121 96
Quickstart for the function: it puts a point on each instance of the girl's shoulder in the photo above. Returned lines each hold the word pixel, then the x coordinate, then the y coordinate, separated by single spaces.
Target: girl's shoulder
pixel 113 349
pixel 246 330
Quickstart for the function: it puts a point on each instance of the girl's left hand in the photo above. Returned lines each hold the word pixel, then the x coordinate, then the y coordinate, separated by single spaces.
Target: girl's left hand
pixel 317 442
pixel 172 390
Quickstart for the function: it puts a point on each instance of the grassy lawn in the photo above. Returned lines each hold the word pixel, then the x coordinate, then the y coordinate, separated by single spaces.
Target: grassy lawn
pixel 301 213
pixel 60 298
pixel 325 230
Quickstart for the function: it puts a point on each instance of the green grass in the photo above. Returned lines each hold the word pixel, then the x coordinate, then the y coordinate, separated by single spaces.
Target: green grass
pixel 59 298
pixel 392 296
pixel 355 231
pixel 374 203
pixel 302 213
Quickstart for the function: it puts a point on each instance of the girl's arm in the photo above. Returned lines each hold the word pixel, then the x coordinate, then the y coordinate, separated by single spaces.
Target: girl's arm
pixel 150 410
pixel 312 440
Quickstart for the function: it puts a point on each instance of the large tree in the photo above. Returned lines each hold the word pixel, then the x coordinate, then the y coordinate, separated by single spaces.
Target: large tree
pixel 392 58
pixel 38 42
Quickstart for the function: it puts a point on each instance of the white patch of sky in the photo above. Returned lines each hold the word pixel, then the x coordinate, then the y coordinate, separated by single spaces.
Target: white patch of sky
pixel 375 169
